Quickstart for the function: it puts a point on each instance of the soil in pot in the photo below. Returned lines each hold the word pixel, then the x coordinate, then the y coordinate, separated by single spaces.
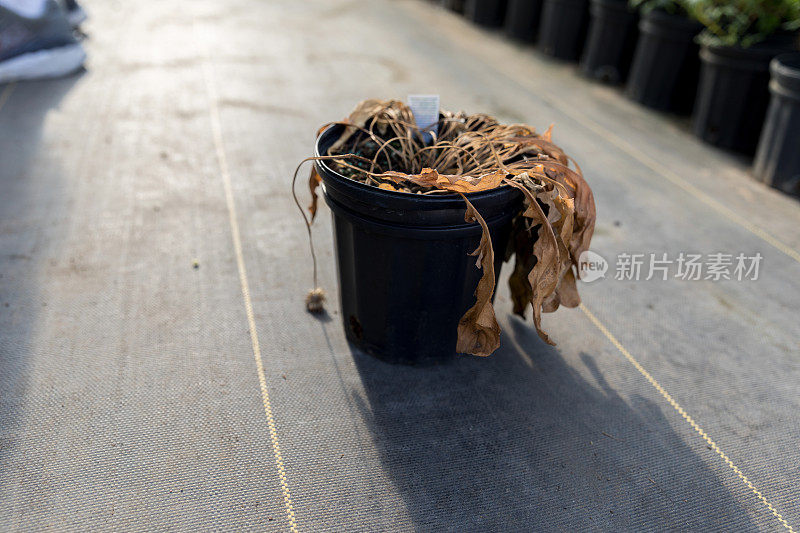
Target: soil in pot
pixel 562 31
pixel 609 48
pixel 778 156
pixel 665 65
pixel 490 13
pixel 522 19
pixel 733 95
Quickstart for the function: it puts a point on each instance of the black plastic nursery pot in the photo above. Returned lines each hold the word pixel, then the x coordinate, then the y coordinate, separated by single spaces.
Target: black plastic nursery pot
pixel 733 95
pixel 454 5
pixel 522 19
pixel 562 31
pixel 490 13
pixel 405 274
pixel 778 156
pixel 609 47
pixel 665 66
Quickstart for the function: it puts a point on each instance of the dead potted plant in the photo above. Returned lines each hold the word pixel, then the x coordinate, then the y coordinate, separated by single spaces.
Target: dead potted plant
pixel 423 219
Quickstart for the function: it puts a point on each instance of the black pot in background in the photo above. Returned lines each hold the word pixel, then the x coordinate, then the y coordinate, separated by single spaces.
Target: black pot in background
pixel 612 37
pixel 490 13
pixel 665 65
pixel 454 5
pixel 405 274
pixel 733 95
pixel 562 30
pixel 778 155
pixel 522 19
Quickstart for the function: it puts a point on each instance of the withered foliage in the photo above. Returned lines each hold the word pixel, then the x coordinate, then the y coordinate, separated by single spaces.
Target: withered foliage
pixel 382 146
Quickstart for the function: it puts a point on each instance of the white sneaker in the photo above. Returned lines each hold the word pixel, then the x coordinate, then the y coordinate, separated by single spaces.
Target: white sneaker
pixel 44 47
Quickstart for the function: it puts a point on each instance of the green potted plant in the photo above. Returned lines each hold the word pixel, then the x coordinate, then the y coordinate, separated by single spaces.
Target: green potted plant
pixel 738 43
pixel 665 66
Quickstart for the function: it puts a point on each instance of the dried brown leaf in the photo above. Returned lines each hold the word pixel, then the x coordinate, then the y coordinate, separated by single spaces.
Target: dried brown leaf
pixel 358 119
pixel 478 331
pixel 543 277
pixel 548 133
pixel 314 179
pixel 460 184
pixel 585 212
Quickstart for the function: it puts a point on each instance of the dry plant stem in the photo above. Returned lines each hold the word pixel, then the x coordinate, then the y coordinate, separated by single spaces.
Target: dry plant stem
pixel 303 211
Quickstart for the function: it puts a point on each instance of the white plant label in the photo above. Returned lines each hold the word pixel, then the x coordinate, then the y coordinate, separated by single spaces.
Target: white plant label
pixel 426 112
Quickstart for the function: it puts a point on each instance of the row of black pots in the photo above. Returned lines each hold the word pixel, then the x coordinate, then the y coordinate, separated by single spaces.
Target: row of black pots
pixel 726 88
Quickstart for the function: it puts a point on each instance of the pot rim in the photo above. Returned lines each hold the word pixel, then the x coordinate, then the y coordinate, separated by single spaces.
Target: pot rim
pixel 787 65
pixel 753 58
pixel 785 75
pixel 444 197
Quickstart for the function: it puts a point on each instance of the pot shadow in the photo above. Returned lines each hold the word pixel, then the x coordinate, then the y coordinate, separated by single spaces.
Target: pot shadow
pixel 33 206
pixel 323 316
pixel 525 441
